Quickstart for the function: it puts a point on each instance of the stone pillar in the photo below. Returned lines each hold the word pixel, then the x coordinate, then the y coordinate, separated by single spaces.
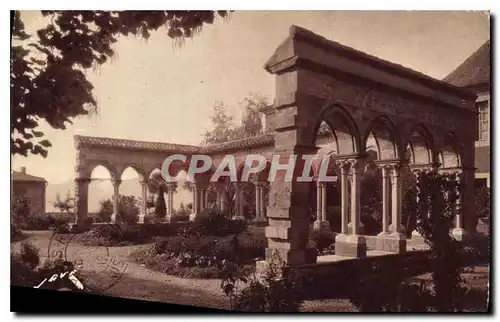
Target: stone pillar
pixel 459 233
pixel 192 216
pixel 170 201
pixel 321 221
pixel 385 200
pixel 260 217
pixel 396 241
pixel 116 201
pixel 144 206
pixel 353 245
pixel 238 191
pixel 344 182
pixel 219 189
pixel 81 202
pixel 287 231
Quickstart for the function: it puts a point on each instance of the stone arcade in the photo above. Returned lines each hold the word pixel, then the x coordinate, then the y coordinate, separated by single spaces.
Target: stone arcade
pixel 417 122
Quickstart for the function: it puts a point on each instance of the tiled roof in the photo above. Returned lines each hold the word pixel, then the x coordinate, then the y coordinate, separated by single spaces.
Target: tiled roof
pixel 475 70
pixel 132 144
pixel 261 140
pixel 246 143
pixel 482 159
pixel 24 177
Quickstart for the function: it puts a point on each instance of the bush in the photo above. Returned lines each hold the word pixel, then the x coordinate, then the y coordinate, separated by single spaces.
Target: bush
pixel 202 257
pixel 276 291
pixel 213 223
pixel 16 233
pixel 62 228
pixel 322 239
pixel 35 222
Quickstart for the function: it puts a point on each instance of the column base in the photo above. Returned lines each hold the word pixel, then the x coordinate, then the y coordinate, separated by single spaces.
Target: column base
pixel 402 229
pixel 361 229
pixel 459 234
pixel 394 243
pixel 168 218
pixel 140 219
pixel 113 219
pixel 192 217
pixel 321 224
pixel 350 246
pixel 291 257
pixel 259 222
pixel 417 239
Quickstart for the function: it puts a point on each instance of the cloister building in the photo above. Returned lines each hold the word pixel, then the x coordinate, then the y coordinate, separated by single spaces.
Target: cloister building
pixel 336 102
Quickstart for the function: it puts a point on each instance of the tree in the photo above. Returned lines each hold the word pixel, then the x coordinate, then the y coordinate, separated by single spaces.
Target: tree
pixel 105 210
pixel 128 209
pixel 482 202
pixel 48 80
pixel 65 205
pixel 224 129
pixel 160 205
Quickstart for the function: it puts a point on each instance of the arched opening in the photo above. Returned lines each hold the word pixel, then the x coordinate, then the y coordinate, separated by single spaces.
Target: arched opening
pixel 379 145
pixel 100 195
pixel 183 196
pixel 130 195
pixel 450 152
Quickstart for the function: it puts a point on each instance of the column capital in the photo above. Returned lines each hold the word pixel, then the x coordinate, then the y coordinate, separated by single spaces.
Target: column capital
pixel 83 180
pixel 170 185
pixel 320 184
pixel 344 165
pixel 116 181
pixel 260 184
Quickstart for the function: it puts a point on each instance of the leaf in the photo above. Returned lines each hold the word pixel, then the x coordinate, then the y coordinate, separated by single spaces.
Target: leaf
pixel 37 133
pixel 228 289
pixel 45 143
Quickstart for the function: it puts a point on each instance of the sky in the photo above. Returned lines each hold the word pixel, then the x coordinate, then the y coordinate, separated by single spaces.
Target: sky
pixel 154 91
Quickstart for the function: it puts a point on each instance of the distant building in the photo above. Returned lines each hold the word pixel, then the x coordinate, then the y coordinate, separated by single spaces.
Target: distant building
pixel 474 74
pixel 31 189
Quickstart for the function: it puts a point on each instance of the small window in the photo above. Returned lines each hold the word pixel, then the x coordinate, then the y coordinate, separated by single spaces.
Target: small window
pixel 484 120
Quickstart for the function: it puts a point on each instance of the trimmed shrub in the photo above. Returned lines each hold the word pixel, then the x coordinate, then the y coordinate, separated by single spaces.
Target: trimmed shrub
pixel 322 239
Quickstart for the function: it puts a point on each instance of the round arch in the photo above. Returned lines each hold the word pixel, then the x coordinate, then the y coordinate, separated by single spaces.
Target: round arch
pixel 343 127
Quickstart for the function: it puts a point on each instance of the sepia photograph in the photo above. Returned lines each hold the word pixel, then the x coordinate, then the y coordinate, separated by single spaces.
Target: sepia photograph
pixel 259 161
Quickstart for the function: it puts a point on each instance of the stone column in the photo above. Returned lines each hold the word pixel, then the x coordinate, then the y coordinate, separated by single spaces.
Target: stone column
pixel 81 202
pixel 385 200
pixel 239 201
pixel 353 245
pixel 170 201
pixel 459 233
pixel 344 182
pixel 192 216
pixel 263 202
pixel 398 238
pixel 260 217
pixel 116 201
pixel 144 206
pixel 219 189
pixel 396 199
pixel 321 206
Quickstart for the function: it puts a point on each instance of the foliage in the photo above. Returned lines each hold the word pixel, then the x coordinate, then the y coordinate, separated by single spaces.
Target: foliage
pixel 27 271
pixel 105 211
pixel 224 129
pixel 48 79
pixel 128 209
pixel 437 193
pixel 482 202
pixel 323 239
pixel 276 291
pixel 16 233
pixel 65 205
pixel 160 204
pixel 203 257
pixel 211 222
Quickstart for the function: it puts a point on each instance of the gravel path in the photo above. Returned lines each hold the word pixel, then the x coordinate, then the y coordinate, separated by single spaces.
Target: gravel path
pixel 111 269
